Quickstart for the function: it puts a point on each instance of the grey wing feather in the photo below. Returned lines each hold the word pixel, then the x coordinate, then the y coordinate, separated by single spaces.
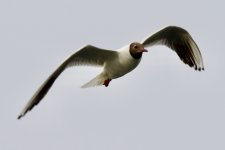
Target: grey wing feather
pixel 179 40
pixel 88 55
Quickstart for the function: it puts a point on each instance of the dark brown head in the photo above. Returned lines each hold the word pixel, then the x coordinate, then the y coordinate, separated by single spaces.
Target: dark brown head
pixel 136 50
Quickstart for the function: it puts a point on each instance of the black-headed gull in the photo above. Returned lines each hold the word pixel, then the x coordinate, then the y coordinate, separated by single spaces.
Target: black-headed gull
pixel 118 63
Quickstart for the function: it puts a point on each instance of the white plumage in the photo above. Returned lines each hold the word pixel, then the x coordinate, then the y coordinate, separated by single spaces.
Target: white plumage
pixel 118 63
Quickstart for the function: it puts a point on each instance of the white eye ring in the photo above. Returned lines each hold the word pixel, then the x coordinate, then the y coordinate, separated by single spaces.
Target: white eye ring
pixel 135 46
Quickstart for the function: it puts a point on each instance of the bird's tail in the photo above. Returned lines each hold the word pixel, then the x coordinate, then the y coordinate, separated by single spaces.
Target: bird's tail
pixel 98 80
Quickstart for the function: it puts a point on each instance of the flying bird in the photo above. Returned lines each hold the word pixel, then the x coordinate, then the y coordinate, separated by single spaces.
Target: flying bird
pixel 117 63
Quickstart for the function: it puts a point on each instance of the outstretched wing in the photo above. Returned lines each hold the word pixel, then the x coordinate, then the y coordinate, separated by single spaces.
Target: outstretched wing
pixel 181 42
pixel 88 55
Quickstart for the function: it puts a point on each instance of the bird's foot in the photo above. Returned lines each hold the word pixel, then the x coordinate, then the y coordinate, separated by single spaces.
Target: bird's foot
pixel 106 82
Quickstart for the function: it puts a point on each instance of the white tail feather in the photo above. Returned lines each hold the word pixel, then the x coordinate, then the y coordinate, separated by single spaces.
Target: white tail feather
pixel 98 80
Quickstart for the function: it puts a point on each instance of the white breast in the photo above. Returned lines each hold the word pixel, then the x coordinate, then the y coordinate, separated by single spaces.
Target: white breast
pixel 122 65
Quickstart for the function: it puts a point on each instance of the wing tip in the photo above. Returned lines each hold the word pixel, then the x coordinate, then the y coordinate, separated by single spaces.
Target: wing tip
pixel 20 116
pixel 199 68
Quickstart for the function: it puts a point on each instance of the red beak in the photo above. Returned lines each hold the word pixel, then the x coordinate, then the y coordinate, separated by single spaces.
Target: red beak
pixel 145 50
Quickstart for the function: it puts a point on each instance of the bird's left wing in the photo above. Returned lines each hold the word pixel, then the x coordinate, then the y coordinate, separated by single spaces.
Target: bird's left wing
pixel 179 40
pixel 88 55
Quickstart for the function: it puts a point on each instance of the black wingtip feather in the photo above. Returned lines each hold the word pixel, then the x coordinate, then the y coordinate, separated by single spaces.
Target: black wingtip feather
pixel 179 40
pixel 19 117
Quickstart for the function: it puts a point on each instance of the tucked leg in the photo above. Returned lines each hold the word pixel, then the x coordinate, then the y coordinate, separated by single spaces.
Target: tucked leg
pixel 106 82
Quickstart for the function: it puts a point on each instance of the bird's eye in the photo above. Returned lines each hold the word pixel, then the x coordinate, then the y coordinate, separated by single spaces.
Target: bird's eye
pixel 135 46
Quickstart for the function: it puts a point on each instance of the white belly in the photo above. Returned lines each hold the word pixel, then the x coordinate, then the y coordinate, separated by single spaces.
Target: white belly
pixel 120 67
pixel 115 68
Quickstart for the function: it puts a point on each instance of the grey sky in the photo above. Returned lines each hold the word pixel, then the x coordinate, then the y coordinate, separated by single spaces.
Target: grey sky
pixel 162 104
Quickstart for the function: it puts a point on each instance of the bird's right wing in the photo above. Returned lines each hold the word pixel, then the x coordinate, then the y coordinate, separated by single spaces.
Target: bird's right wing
pixel 88 55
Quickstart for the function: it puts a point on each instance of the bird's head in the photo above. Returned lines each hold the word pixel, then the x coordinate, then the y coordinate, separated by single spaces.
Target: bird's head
pixel 136 50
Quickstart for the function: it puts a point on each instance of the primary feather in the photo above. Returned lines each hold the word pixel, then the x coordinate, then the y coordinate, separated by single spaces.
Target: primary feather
pixel 88 55
pixel 179 40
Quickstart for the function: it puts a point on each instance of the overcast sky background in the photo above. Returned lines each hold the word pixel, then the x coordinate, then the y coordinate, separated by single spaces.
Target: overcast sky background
pixel 161 105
